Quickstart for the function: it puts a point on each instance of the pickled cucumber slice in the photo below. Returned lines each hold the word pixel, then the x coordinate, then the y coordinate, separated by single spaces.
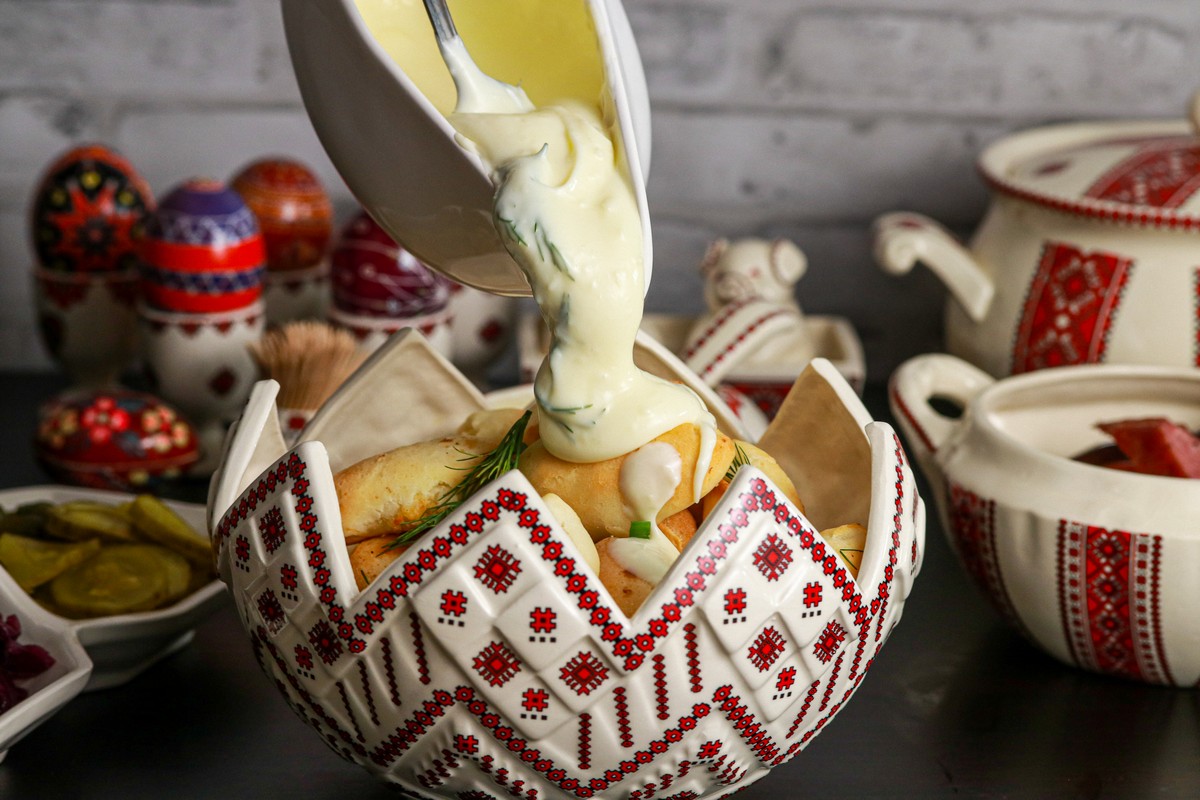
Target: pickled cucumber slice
pixel 33 562
pixel 120 579
pixel 81 520
pixel 25 520
pixel 155 521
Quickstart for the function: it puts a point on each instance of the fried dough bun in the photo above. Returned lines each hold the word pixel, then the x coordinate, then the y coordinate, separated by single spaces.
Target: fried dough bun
pixel 763 460
pixel 594 489
pixel 569 520
pixel 371 557
pixel 628 590
pixel 679 528
pixel 385 494
pixel 848 541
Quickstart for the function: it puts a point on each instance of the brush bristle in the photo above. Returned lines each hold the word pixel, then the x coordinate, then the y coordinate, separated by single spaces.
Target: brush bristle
pixel 309 359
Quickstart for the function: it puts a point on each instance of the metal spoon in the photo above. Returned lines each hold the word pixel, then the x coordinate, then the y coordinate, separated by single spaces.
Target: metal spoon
pixel 478 92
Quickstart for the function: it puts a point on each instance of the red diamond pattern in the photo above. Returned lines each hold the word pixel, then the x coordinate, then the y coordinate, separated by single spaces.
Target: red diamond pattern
pixel 768 646
pixel 772 557
pixel 496 664
pixel 828 642
pixel 584 673
pixel 497 569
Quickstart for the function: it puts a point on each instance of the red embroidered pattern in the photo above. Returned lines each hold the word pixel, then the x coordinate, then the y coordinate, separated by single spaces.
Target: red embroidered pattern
pixel 1108 583
pixel 973 526
pixel 1071 304
pixel 1163 174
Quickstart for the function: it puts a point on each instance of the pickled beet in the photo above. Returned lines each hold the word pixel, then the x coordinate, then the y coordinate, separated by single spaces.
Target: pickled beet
pixel 18 662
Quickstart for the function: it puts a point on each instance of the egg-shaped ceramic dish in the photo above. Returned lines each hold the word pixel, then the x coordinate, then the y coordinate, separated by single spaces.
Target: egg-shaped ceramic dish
pixel 293 210
pixel 114 439
pixel 202 251
pixel 88 211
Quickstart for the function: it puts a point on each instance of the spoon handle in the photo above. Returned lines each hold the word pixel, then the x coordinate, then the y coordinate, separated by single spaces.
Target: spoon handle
pixel 443 23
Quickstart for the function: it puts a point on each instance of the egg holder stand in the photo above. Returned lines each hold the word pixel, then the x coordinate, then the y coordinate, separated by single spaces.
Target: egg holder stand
pixel 87 322
pixel 485 655
pixel 98 653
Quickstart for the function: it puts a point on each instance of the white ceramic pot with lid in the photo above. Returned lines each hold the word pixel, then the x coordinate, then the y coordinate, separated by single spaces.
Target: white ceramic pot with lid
pixel 1089 253
pixel 378 93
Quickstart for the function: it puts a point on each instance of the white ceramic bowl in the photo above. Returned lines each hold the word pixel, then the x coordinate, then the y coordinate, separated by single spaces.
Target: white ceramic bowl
pixel 121 646
pixel 55 687
pixel 1096 566
pixel 487 654
pixel 400 158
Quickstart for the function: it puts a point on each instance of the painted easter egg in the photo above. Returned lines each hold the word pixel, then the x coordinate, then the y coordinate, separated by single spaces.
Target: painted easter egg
pixel 374 276
pixel 202 251
pixel 88 212
pixel 293 211
pixel 114 439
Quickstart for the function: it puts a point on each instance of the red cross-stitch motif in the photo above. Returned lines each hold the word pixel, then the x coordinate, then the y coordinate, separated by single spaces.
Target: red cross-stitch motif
pixel 1162 174
pixel 786 679
pixel 735 601
pixel 768 646
pixel 828 642
pixel 454 603
pixel 812 595
pixel 584 673
pixel 272 529
pixel 325 641
pixel 772 557
pixel 497 569
pixel 1071 305
pixel 543 620
pixel 466 744
pixel 496 664
pixel 535 700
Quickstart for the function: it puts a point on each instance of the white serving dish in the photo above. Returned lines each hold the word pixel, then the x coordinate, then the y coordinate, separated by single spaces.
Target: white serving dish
pixel 1098 567
pixel 436 678
pixel 120 647
pixel 55 687
pixel 1086 255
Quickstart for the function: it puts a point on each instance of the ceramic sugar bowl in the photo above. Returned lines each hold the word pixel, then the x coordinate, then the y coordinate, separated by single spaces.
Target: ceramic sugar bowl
pixel 1087 254
pixel 1099 567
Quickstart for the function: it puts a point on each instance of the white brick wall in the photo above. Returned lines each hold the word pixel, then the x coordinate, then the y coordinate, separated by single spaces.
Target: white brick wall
pixel 801 118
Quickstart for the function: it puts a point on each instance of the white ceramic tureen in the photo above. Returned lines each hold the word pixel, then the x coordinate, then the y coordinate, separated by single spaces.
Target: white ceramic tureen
pixel 1088 254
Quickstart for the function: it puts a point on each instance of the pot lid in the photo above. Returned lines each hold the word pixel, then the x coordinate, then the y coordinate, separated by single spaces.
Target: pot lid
pixel 1142 174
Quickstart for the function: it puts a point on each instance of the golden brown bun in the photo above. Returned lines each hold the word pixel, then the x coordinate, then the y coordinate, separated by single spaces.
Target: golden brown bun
pixel 569 521
pixel 386 493
pixel 679 528
pixel 628 590
pixel 848 541
pixel 763 461
pixel 371 557
pixel 594 489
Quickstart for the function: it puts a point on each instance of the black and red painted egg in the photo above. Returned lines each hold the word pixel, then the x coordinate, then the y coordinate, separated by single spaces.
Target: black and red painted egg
pixel 202 251
pixel 293 210
pixel 374 276
pixel 88 212
pixel 114 439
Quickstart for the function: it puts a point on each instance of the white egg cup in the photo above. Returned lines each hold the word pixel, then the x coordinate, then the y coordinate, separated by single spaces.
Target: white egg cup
pixel 371 332
pixel 201 364
pixel 299 294
pixel 88 322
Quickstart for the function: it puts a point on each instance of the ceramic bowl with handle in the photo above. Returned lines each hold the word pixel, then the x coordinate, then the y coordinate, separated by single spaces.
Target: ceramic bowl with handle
pixel 1086 255
pixel 400 157
pixel 489 654
pixel 1098 567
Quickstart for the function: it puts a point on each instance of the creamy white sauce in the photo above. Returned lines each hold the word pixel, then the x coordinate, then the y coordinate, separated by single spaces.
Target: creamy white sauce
pixel 568 216
pixel 479 92
pixel 649 477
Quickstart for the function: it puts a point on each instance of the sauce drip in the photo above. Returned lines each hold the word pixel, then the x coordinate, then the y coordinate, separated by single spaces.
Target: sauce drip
pixel 648 480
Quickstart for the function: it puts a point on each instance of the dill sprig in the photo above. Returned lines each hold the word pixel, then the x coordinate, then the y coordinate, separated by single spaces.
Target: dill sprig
pixel 740 459
pixel 496 463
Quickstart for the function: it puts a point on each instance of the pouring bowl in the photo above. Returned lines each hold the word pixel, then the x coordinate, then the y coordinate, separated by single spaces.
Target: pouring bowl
pixel 381 113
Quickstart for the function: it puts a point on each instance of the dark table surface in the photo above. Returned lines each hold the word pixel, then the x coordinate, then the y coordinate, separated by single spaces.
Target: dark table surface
pixel 956 705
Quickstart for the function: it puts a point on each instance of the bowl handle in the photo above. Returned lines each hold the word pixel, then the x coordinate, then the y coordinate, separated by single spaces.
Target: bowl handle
pixel 903 238
pixel 913 387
